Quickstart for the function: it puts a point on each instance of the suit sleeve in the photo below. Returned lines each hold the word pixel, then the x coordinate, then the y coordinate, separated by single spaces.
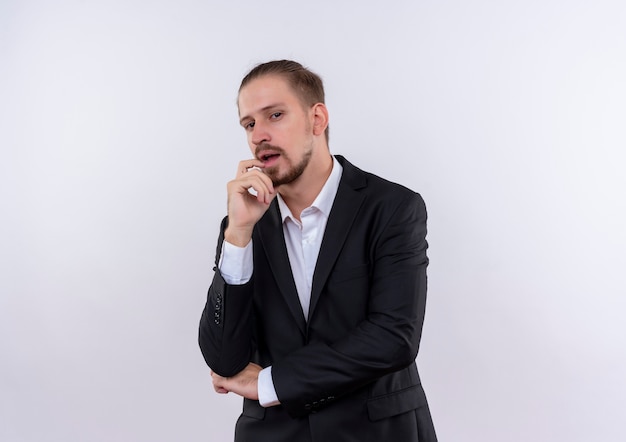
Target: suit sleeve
pixel 225 332
pixel 387 340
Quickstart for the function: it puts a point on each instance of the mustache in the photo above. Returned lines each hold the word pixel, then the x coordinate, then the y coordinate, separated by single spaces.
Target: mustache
pixel 267 146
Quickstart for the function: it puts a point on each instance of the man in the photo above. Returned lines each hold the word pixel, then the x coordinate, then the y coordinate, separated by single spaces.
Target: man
pixel 315 311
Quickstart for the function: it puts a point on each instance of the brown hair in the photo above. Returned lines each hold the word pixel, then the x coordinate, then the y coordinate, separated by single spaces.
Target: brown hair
pixel 307 85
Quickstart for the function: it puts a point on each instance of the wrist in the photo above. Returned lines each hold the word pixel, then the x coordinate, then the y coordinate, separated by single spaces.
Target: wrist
pixel 237 237
pixel 265 388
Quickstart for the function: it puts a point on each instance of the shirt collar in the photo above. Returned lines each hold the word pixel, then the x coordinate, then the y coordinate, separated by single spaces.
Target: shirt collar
pixel 324 200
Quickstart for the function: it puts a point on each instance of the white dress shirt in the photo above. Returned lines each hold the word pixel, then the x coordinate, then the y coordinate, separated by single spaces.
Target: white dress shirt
pixel 303 239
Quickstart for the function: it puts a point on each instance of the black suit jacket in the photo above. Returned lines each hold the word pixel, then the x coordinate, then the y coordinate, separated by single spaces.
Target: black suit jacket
pixel 347 372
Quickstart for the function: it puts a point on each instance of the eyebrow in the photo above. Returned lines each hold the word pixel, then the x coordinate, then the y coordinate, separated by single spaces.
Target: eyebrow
pixel 264 109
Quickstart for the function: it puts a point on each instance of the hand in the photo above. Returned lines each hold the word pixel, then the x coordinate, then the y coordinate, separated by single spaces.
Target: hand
pixel 244 383
pixel 245 209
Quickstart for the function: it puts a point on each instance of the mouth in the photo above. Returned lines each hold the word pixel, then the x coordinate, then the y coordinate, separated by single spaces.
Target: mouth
pixel 268 156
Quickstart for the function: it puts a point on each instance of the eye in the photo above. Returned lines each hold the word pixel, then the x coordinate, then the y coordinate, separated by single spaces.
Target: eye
pixel 249 125
pixel 276 115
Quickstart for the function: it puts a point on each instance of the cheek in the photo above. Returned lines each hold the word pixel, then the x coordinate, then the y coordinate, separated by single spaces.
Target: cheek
pixel 250 143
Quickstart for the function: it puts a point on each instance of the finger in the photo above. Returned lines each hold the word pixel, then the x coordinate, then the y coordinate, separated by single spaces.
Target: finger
pixel 258 181
pixel 246 165
pixel 266 197
pixel 218 383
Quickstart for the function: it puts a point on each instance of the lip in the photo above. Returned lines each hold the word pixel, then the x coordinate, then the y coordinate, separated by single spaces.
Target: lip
pixel 268 157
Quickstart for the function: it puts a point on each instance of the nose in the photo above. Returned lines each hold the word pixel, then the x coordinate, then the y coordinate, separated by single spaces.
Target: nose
pixel 259 134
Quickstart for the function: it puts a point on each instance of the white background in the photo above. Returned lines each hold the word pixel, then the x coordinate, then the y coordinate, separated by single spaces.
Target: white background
pixel 118 132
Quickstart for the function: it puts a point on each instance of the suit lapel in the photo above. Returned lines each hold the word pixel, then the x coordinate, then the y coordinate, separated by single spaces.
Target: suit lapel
pixel 273 240
pixel 342 215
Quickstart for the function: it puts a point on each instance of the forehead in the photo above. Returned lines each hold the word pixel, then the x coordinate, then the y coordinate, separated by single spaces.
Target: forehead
pixel 265 91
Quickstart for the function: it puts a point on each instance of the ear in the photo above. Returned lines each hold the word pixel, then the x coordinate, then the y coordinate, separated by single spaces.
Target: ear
pixel 320 118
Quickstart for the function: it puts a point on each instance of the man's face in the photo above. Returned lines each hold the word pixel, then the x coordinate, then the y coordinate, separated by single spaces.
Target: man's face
pixel 278 128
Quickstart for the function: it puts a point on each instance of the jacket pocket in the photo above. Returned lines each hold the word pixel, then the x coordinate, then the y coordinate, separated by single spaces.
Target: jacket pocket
pixel 399 402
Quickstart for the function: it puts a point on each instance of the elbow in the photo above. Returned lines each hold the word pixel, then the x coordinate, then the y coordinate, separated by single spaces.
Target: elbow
pixel 223 366
pixel 225 360
pixel 407 346
pixel 406 355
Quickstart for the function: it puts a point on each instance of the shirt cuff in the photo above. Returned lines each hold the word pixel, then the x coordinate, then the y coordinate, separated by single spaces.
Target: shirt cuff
pixel 235 263
pixel 265 386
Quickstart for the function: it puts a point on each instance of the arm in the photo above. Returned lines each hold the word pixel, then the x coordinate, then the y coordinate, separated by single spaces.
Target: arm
pixel 226 344
pixel 387 339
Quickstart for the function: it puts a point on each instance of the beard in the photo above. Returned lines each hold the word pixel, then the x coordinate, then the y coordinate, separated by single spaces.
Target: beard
pixel 293 172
